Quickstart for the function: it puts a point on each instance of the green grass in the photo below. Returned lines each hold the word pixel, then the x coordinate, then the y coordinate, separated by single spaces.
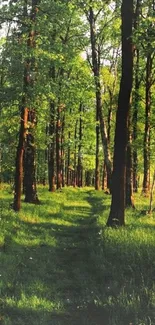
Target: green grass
pixel 60 265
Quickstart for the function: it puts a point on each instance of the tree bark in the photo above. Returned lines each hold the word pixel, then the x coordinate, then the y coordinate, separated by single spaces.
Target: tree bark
pixel 19 158
pixel 75 154
pixel 58 148
pixel 79 165
pixel 30 189
pixel 146 179
pixel 100 123
pixel 129 201
pixel 51 149
pixel 63 150
pixel 151 194
pixel 117 210
pixel 136 102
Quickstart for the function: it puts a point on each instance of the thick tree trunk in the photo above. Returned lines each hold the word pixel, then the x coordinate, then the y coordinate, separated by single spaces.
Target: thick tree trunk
pixel 19 159
pixel 146 179
pixel 51 149
pixel 117 210
pixel 29 166
pixel 30 189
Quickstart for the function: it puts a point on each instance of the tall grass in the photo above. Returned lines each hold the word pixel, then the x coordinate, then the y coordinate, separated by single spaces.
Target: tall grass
pixel 60 265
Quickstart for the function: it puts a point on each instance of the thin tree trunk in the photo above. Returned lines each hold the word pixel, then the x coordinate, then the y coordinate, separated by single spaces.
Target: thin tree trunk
pixel 151 194
pixel 97 164
pixel 99 113
pixel 68 181
pixel 63 150
pixel 146 179
pixel 117 210
pixel 134 121
pixel 75 153
pixel 129 201
pixel 79 165
pixel 51 149
pixel 136 103
pixel 58 148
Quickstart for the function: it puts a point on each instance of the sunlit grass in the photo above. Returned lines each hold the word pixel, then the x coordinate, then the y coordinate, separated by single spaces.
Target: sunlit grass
pixel 60 265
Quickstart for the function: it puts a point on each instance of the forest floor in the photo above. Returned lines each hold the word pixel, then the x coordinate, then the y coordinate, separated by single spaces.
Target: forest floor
pixel 60 265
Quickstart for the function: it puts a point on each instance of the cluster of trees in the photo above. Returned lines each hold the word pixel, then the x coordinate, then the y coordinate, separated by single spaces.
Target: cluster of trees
pixel 77 81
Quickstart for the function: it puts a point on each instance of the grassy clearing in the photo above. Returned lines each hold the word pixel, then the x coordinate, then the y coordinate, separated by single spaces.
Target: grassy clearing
pixel 60 265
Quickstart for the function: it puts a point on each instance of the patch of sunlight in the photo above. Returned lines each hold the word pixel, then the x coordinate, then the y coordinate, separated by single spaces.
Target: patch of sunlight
pixel 30 219
pixel 147 221
pixel 33 302
pixel 1 241
pixel 77 204
pixel 63 222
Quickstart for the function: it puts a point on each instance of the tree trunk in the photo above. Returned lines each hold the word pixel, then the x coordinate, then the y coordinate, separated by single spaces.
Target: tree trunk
pixel 58 148
pixel 136 103
pixel 134 121
pixel 117 210
pixel 63 150
pixel 19 158
pixel 151 194
pixel 97 160
pixel 79 165
pixel 51 149
pixel 146 179
pixel 30 189
pixel 29 163
pixel 129 202
pixel 75 153
pixel 99 114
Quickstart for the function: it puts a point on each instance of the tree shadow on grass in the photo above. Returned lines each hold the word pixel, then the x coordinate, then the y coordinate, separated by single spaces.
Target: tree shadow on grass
pixel 70 276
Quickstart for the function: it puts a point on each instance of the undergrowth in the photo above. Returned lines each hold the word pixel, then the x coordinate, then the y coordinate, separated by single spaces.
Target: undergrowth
pixel 60 264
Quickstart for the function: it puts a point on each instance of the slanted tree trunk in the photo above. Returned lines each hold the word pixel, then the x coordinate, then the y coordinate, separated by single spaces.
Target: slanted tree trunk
pixel 51 149
pixel 117 210
pixel 146 179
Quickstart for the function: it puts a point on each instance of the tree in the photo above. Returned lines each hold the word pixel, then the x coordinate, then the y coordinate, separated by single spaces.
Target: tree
pixel 116 216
